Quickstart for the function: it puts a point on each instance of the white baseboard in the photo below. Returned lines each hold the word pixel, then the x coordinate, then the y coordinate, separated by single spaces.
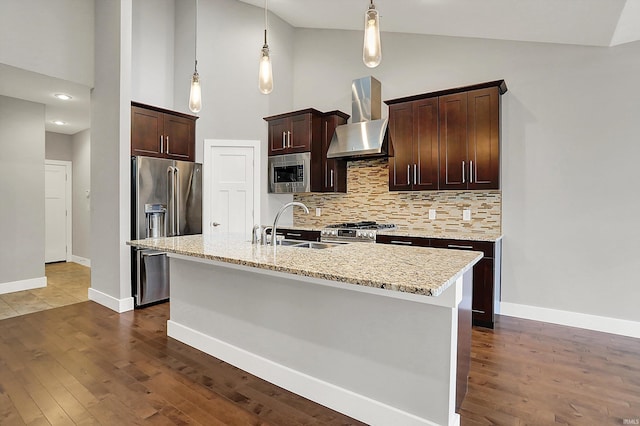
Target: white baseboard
pixel 22 285
pixel 345 401
pixel 81 261
pixel 572 319
pixel 118 305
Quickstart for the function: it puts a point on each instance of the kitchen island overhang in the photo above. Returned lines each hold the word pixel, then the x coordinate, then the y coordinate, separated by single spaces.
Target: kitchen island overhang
pixel 380 355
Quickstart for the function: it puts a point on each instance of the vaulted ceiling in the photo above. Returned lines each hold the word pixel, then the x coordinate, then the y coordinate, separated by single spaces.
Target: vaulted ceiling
pixel 583 22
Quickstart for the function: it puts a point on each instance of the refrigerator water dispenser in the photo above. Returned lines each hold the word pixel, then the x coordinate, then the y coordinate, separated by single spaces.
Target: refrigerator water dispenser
pixel 155 215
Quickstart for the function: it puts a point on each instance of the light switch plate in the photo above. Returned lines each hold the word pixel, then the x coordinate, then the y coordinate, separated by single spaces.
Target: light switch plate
pixel 318 211
pixel 466 214
pixel 432 214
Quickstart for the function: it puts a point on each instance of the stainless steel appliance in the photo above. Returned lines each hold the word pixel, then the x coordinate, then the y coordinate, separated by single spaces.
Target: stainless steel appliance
pixel 364 231
pixel 366 135
pixel 166 200
pixel 290 173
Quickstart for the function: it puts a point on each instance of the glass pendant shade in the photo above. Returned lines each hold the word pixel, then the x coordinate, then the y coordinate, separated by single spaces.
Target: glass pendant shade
pixel 265 76
pixel 195 95
pixel 372 49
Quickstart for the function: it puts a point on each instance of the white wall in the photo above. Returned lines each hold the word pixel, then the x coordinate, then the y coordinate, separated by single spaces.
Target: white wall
pixel 81 143
pixel 569 151
pixel 152 52
pixel 110 151
pixel 22 191
pixel 58 146
pixel 230 38
pixel 54 38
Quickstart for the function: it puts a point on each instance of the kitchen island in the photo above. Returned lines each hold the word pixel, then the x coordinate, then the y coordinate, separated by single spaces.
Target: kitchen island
pixel 369 330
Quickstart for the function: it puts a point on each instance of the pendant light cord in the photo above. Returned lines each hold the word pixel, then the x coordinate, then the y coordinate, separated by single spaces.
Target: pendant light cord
pixel 265 23
pixel 195 50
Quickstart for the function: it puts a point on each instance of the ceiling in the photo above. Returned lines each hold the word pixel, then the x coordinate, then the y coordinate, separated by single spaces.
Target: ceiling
pixel 34 87
pixel 584 22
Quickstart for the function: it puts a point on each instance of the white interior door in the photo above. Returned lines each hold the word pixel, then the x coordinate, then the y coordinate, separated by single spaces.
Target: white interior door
pixel 57 211
pixel 231 199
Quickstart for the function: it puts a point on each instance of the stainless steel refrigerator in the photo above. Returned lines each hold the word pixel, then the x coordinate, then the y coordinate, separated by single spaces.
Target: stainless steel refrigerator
pixel 166 200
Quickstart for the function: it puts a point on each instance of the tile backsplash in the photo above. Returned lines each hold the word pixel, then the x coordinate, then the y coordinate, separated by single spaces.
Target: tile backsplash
pixel 368 198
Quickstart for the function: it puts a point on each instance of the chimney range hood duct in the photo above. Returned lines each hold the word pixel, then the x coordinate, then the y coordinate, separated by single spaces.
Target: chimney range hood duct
pixel 366 135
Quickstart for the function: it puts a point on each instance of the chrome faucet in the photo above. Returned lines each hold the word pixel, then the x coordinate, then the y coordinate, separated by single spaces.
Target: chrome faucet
pixel 275 221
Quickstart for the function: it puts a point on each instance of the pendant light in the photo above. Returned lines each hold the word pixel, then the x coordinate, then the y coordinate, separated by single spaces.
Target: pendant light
pixel 265 75
pixel 195 95
pixel 372 49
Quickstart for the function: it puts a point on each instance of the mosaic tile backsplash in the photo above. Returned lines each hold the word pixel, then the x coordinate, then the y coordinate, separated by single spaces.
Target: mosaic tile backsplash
pixel 368 198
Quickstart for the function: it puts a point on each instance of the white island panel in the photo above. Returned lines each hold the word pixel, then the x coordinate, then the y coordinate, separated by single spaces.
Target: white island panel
pixel 383 360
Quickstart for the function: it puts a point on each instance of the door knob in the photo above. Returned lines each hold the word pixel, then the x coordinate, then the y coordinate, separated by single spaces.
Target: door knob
pixel 215 224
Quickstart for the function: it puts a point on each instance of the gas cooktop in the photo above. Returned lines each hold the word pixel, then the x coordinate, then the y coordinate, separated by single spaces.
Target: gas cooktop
pixel 364 231
pixel 365 224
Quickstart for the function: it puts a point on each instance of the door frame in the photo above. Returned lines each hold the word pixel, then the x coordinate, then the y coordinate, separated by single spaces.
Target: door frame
pixel 257 173
pixel 68 195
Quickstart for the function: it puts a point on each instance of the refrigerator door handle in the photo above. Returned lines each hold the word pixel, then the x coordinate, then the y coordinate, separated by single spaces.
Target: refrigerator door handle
pixel 176 198
pixel 171 206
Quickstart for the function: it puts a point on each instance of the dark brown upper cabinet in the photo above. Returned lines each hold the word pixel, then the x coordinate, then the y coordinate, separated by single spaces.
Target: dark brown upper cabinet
pixel 328 174
pixel 470 140
pixel 157 132
pixel 413 131
pixel 310 130
pixel 294 132
pixel 448 139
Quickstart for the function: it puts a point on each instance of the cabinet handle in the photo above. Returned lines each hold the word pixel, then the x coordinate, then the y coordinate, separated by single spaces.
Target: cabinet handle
pixel 168 145
pixel 289 139
pixel 406 243
pixel 477 311
pixel 214 224
pixel 471 171
pixel 415 174
pixel 455 246
pixel 161 145
pixel 293 234
pixel 331 181
pixel 408 174
pixel 284 136
pixel 463 179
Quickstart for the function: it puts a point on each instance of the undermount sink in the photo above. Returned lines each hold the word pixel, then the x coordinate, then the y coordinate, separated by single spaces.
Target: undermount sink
pixel 307 244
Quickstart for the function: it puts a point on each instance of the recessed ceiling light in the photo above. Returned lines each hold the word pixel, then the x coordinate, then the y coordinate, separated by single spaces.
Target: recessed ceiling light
pixel 59 122
pixel 62 96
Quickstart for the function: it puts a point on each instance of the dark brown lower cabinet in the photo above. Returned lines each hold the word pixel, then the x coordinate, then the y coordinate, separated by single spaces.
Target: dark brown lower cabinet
pixel 297 234
pixel 486 273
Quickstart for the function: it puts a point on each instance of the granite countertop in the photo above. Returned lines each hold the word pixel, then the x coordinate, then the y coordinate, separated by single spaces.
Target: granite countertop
pixel 418 270
pixel 486 236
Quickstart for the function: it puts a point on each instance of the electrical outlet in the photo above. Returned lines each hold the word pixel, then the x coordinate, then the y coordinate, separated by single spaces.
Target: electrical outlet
pixel 466 214
pixel 318 211
pixel 432 214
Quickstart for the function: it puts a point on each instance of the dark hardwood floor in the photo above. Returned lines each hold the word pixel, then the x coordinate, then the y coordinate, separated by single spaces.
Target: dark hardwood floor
pixel 85 364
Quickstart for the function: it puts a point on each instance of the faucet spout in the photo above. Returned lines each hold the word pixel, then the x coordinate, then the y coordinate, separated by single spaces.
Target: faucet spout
pixel 275 221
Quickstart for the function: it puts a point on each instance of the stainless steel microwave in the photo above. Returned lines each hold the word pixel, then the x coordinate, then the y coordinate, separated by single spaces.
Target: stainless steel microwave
pixel 290 173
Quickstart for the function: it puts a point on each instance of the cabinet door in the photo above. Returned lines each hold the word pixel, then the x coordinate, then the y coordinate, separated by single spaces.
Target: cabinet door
pixel 302 132
pixel 401 122
pixel 453 141
pixel 334 171
pixel 483 293
pixel 278 136
pixel 484 138
pixel 179 134
pixel 146 132
pixel 425 144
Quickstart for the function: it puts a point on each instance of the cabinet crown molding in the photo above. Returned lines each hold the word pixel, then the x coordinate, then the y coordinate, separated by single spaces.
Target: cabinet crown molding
pixel 502 89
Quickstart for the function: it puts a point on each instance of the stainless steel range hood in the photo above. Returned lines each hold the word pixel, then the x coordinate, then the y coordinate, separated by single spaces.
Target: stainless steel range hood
pixel 366 135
